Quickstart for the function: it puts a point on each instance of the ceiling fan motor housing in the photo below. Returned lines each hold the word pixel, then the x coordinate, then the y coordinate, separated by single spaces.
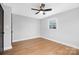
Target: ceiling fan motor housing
pixel 42 5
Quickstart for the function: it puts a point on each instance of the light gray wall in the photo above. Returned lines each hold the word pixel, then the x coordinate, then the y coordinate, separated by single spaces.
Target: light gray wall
pixel 67 31
pixel 25 28
pixel 7 27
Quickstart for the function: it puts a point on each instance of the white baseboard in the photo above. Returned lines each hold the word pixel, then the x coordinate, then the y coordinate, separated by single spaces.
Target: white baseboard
pixel 26 38
pixel 7 48
pixel 61 42
pixel 10 47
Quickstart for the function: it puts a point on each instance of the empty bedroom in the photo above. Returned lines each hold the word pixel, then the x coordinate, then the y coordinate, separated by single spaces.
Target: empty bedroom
pixel 39 28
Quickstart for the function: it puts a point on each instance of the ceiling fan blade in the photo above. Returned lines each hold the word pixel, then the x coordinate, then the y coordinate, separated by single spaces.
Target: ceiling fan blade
pixel 37 12
pixel 34 9
pixel 47 10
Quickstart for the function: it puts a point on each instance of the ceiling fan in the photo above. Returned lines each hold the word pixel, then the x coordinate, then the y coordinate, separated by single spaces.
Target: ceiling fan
pixel 41 9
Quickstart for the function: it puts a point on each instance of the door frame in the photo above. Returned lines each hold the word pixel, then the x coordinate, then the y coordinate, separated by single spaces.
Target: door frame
pixel 11 30
pixel 2 29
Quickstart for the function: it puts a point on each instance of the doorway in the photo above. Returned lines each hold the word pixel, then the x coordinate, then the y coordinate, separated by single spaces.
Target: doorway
pixel 1 29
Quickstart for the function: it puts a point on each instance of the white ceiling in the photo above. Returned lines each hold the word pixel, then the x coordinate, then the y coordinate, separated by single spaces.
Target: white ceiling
pixel 25 8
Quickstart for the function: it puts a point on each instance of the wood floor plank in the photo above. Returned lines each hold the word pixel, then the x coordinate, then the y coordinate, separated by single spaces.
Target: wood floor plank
pixel 40 46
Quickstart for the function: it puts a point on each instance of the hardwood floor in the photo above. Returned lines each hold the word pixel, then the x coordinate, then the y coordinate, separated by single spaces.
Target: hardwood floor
pixel 40 46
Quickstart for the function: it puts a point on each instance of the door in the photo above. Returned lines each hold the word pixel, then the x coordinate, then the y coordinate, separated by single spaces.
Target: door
pixel 1 29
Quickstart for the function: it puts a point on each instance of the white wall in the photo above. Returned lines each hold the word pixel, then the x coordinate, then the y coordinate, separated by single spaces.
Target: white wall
pixel 67 31
pixel 7 27
pixel 25 28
